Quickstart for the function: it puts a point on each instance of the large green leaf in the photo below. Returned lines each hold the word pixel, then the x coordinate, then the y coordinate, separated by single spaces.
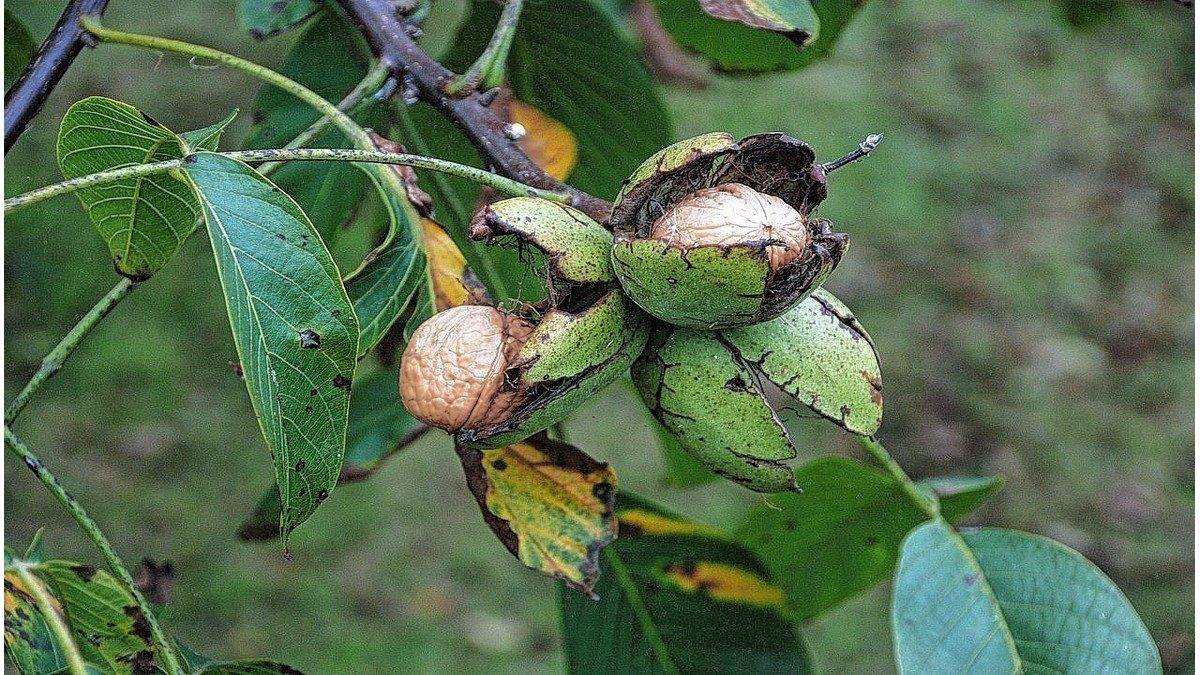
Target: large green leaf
pixel 328 60
pixel 570 62
pixel 748 37
pixel 994 601
pixel 677 596
pixel 143 220
pixel 293 325
pixel 379 426
pixel 19 47
pixel 838 538
pixel 264 18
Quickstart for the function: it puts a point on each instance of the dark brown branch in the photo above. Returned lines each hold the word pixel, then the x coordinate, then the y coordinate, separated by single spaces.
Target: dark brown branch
pixel 24 100
pixel 388 36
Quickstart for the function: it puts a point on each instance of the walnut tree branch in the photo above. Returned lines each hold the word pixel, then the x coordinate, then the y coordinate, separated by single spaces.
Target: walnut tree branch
pixel 389 37
pixel 24 99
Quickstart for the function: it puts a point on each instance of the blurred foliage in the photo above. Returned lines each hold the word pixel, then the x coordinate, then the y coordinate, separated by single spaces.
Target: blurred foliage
pixel 1022 253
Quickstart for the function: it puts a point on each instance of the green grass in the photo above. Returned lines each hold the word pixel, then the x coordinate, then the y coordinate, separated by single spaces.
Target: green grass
pixel 1022 254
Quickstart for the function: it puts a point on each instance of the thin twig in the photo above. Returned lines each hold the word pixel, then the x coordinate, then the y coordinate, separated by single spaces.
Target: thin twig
pixel 25 98
pixel 57 356
pixel 497 182
pixel 389 37
pixel 170 661
pixel 869 143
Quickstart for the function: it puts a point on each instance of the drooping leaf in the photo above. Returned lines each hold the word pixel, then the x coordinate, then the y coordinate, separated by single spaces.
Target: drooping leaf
pixel 423 130
pixel 677 596
pixel 28 639
pixel 550 504
pixel 109 628
pixel 379 426
pixel 19 47
pixel 293 325
pixel 750 37
pixel 143 220
pixel 570 62
pixel 996 600
pixel 328 60
pixel 394 273
pixel 264 18
pixel 451 281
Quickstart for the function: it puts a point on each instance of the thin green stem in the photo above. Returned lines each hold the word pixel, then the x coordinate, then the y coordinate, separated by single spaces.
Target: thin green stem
pixel 488 70
pixel 348 126
pixel 500 183
pixel 919 498
pixel 358 98
pixel 57 356
pixel 170 661
pixel 54 618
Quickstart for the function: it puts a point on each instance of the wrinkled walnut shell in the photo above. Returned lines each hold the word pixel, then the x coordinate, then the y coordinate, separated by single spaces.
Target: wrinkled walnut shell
pixel 732 214
pixel 452 371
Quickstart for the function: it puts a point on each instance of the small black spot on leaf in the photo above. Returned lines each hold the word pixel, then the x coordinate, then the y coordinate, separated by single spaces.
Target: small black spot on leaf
pixel 150 120
pixel 335 313
pixel 85 572
pixel 603 490
pixel 300 466
pixel 322 495
pixel 190 159
pixel 500 465
pixel 341 382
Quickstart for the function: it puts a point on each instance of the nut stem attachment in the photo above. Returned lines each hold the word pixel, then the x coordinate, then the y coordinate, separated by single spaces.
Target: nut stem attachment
pixel 869 143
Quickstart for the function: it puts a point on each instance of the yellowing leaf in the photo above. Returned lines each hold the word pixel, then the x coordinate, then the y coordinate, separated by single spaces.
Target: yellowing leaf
pixel 728 583
pixel 655 524
pixel 549 503
pixel 452 282
pixel 549 143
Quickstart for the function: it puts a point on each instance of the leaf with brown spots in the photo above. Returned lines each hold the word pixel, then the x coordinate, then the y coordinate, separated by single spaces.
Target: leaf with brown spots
pixel 108 627
pixel 677 596
pixel 28 639
pixel 451 281
pixel 549 503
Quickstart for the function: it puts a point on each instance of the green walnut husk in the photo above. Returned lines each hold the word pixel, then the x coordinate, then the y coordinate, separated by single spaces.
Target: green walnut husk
pixel 708 388
pixel 556 355
pixel 712 286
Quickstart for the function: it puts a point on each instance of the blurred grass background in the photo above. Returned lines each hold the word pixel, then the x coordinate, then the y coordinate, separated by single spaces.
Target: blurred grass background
pixel 1023 255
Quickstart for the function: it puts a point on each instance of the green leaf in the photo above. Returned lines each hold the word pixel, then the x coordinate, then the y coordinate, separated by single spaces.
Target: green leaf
pixel 842 535
pixel 677 596
pixel 960 495
pixel 264 18
pixel 1004 601
pixel 393 274
pixel 379 426
pixel 143 220
pixel 108 626
pixel 327 59
pixel 293 325
pixel 570 62
pixel 208 137
pixel 19 47
pixel 765 36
